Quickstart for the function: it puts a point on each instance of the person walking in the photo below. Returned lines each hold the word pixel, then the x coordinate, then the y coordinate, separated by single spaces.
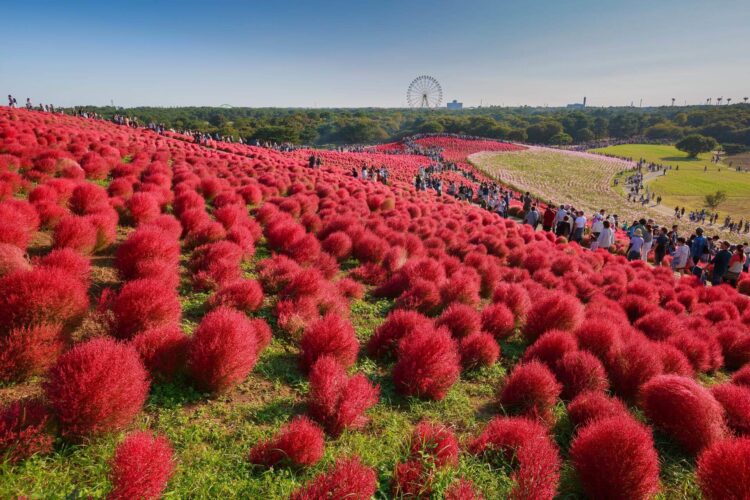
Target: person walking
pixel 548 218
pixel 579 227
pixel 721 264
pixel 681 256
pixel 532 217
pixel 736 264
pixel 606 237
pixel 636 246
pixel 661 247
pixel 648 241
pixel 699 246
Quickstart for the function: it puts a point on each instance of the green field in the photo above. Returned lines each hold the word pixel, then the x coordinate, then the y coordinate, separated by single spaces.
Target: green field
pixel 688 185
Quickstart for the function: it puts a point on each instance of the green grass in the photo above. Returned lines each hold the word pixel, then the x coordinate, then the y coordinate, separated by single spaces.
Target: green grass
pixel 688 186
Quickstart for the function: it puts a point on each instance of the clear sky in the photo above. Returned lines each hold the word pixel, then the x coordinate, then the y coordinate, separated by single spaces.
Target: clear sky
pixel 361 53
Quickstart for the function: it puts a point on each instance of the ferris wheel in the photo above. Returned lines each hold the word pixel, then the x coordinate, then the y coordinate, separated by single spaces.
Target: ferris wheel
pixel 424 92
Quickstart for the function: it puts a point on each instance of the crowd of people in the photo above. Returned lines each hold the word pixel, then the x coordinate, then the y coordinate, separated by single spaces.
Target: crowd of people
pixel 366 173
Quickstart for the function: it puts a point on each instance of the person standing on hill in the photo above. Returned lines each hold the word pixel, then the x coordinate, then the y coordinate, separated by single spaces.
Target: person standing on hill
pixel 532 217
pixel 662 246
pixel 563 227
pixel 721 263
pixel 736 264
pixel 648 241
pixel 579 227
pixel 606 237
pixel 526 199
pixel 636 246
pixel 312 161
pixel 699 246
pixel 549 218
pixel 681 256
pixel 597 224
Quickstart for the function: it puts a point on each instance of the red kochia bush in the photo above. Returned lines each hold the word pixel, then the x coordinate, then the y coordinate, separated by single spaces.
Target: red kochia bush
pixel 742 376
pixel 594 405
pixel 77 233
pixel 299 443
pixel 478 349
pixel 397 325
pixel 338 244
pixel 348 478
pixel 23 430
pixel 162 349
pixel 735 399
pixel 580 371
pixel 223 350
pixel 337 401
pixel 615 458
pixel 329 336
pixel 244 295
pixel 460 319
pixel 531 390
pixel 141 467
pixel 428 364
pixel 412 479
pixel 435 442
pixel 96 387
pixel 69 261
pixel 723 471
pixel 144 304
pixel 138 253
pixel 551 347
pixel 556 311
pixel 526 445
pixel 463 489
pixel 635 363
pixel 498 320
pixel 41 296
pixel 29 351
pixel 684 410
pixel 12 259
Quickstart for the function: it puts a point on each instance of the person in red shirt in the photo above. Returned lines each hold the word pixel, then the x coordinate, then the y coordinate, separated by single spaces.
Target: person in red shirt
pixel 548 219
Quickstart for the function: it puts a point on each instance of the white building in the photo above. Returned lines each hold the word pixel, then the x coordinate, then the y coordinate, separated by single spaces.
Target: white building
pixel 454 104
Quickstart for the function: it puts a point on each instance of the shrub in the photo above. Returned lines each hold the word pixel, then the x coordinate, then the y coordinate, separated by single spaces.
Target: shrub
pixel 23 430
pixel 551 347
pixel 742 376
pixel 684 410
pixel 556 311
pixel 412 479
pixel 673 361
pixel 329 336
pixel 478 349
pixel 580 371
pixel 244 295
pixel 397 325
pixel 722 469
pixel 428 364
pixel 142 248
pixel 735 399
pixel 338 244
pixel 463 489
pixel 29 351
pixel 462 320
pixel 659 325
pixel 337 401
pixel 143 208
pixel 434 442
pixel 141 467
pixel 68 261
pixel 162 349
pixel 12 259
pixel 41 296
pixel 524 444
pixel 531 390
pixel 143 304
pixel 498 320
pixel 348 478
pixel 515 297
pixel 223 350
pixel 77 233
pixel 615 458
pixel 98 386
pixel 631 366
pixel 299 443
pixel 594 405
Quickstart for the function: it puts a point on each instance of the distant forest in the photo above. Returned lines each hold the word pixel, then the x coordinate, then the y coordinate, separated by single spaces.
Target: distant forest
pixel 728 124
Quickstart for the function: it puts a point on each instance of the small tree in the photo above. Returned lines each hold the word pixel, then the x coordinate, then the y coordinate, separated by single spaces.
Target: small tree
pixel 712 201
pixel 695 144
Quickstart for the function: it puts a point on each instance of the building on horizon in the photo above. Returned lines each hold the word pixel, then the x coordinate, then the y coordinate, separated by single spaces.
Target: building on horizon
pixel 577 105
pixel 454 104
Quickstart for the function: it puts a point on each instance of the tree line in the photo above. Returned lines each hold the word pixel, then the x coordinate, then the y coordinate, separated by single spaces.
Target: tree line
pixel 728 125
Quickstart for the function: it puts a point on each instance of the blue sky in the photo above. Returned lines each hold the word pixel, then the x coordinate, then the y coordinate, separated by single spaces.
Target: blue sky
pixel 365 53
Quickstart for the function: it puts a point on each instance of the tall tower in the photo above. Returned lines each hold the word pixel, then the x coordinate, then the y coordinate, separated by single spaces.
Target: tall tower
pixel 584 101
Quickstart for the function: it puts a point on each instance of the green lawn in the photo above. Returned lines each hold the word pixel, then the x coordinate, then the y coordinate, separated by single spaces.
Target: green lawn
pixel 688 185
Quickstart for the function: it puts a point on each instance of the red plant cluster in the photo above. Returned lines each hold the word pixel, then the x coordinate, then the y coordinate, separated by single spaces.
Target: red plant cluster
pixel 24 430
pixel 141 467
pixel 299 443
pixel 348 478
